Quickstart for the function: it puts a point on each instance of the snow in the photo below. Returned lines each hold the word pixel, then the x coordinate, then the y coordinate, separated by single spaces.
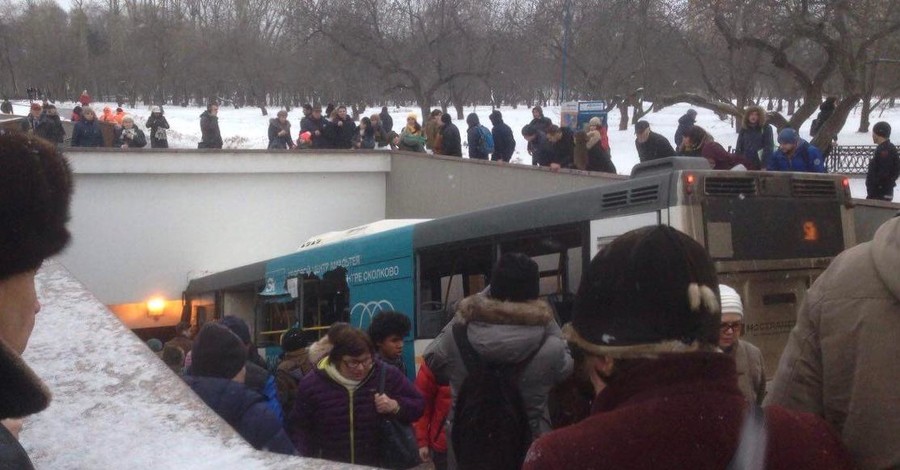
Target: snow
pixel 247 128
pixel 115 404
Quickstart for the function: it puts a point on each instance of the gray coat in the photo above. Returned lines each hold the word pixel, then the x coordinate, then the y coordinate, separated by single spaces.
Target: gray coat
pixel 840 361
pixel 751 371
pixel 506 332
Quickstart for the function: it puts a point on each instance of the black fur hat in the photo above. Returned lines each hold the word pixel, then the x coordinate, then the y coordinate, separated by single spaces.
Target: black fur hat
pixel 35 192
pixel 652 290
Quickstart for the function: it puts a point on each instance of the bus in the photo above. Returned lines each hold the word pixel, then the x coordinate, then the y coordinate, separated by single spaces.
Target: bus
pixel 770 234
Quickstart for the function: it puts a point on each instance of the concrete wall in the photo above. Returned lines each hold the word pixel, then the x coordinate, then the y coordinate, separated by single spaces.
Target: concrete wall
pixel 144 222
pixel 424 186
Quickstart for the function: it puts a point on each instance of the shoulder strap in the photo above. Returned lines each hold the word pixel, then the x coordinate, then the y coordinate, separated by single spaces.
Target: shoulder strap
pixel 751 450
pixel 470 357
pixel 381 378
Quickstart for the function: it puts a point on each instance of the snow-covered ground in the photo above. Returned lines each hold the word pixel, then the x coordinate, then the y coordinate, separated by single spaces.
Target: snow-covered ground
pixel 247 128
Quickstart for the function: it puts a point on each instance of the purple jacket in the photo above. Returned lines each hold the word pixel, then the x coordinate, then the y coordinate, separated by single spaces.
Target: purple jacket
pixel 328 422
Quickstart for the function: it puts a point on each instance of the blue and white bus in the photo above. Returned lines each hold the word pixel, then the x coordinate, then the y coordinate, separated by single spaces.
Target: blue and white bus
pixel 770 234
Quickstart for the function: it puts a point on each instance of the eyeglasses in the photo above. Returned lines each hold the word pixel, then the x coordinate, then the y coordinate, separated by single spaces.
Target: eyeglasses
pixel 734 326
pixel 353 364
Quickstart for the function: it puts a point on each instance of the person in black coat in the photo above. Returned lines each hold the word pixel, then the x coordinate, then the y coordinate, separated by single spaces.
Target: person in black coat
pixel 451 143
pixel 540 149
pixel 684 123
pixel 209 128
pixel 473 134
pixel 129 136
pixel 87 131
pixel 504 141
pixel 387 122
pixel 884 167
pixel 157 124
pixel 315 124
pixel 50 126
pixel 540 123
pixel 280 132
pixel 342 130
pixel 217 374
pixel 650 145
pixel 563 141
pixel 756 141
pixel 826 109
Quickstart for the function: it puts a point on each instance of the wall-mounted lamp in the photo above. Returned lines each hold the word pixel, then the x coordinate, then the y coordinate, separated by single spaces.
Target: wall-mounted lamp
pixel 156 308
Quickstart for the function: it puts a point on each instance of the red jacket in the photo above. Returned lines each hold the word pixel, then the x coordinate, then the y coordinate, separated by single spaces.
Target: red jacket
pixel 84 99
pixel 682 411
pixel 430 428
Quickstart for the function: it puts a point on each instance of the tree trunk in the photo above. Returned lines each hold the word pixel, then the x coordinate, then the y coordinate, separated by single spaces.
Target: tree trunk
pixel 623 115
pixel 791 108
pixel 864 114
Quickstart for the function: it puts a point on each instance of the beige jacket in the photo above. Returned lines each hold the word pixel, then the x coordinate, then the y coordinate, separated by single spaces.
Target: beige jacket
pixel 842 360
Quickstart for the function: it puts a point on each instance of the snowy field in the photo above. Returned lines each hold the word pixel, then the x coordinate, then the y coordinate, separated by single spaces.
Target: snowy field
pixel 247 128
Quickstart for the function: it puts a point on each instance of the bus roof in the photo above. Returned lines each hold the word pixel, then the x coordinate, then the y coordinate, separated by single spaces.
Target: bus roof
pixel 362 230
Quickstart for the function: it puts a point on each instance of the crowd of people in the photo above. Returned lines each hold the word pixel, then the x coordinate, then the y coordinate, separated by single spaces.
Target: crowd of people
pixel 651 371
pixel 757 147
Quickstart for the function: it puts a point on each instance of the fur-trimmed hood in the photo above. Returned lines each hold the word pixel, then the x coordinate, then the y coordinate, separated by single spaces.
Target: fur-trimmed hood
pixel 754 109
pixel 481 308
pixel 505 332
pixel 22 393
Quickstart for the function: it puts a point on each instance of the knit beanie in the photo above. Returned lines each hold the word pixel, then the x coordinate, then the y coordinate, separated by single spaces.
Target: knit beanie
pixel 788 136
pixel 730 300
pixel 516 278
pixel 217 352
pixel 651 291
pixel 35 193
pixel 237 326
pixel 882 129
pixel 446 119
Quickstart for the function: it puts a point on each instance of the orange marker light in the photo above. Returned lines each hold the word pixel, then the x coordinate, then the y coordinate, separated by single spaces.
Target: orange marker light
pixel 689 180
pixel 810 231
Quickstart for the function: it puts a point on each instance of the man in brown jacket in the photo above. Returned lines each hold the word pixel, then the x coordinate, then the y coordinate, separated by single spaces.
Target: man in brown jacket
pixel 841 358
pixel 433 129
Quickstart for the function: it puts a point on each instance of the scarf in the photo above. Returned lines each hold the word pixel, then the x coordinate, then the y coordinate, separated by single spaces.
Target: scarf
pixel 335 375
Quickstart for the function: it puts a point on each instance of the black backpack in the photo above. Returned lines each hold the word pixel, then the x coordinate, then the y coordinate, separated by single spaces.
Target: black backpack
pixel 490 427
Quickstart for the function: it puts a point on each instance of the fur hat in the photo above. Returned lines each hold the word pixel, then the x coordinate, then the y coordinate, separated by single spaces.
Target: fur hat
pixel 35 192
pixel 154 109
pixel 237 326
pixel 652 290
pixel 295 338
pixel 516 278
pixel 446 118
pixel 217 352
pixel 595 121
pixel 882 129
pixel 788 136
pixel 730 300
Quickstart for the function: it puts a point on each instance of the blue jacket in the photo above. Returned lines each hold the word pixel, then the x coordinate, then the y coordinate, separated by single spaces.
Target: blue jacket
pixel 87 134
pixel 245 410
pixel 806 158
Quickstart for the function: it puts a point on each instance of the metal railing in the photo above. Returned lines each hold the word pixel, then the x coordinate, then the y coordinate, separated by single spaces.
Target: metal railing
pixel 849 159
